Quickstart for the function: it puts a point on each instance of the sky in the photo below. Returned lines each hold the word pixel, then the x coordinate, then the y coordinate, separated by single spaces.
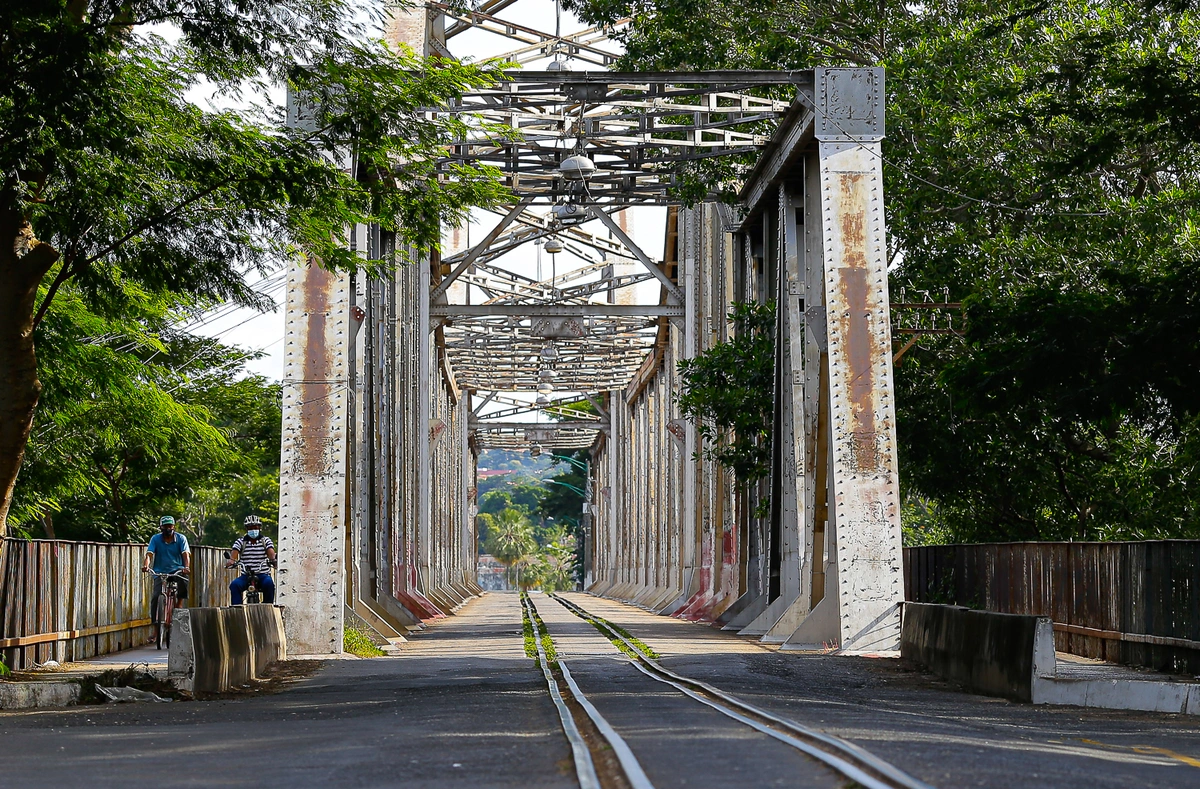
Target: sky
pixel 263 332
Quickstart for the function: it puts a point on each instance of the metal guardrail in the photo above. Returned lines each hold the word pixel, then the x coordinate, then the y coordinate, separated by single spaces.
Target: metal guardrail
pixel 67 601
pixel 1136 603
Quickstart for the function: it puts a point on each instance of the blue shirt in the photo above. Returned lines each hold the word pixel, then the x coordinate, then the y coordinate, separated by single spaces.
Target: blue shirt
pixel 168 556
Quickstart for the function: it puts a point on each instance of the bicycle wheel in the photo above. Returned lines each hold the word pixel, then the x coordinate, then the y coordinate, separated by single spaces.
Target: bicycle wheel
pixel 166 638
pixel 160 619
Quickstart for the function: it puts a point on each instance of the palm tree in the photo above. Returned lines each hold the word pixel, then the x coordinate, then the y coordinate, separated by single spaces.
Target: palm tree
pixel 510 540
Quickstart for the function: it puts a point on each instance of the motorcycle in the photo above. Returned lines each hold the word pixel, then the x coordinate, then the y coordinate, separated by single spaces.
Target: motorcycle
pixel 253 593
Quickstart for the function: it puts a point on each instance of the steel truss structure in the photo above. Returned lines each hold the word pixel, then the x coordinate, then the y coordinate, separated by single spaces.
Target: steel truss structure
pixel 638 129
pixel 393 389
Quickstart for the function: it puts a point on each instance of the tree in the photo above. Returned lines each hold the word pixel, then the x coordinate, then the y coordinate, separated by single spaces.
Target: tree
pixel 125 434
pixel 562 504
pixel 729 393
pixel 1041 163
pixel 511 542
pixel 557 564
pixel 112 180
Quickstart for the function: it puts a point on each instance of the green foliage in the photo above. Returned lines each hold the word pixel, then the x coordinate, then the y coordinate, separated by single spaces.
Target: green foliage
pixel 519 493
pixel 1042 162
pixel 729 393
pixel 133 427
pixel 356 642
pixel 510 541
pixel 486 524
pixel 562 504
pixel 922 523
pixel 124 197
pixel 138 183
pixel 555 570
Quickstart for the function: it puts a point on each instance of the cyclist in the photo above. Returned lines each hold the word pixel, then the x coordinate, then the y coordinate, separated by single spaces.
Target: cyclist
pixel 169 553
pixel 256 553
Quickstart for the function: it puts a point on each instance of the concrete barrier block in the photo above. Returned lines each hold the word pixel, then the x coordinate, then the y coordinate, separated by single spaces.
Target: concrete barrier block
pixel 216 649
pixel 267 641
pixel 181 657
pixel 987 652
pixel 1193 702
pixel 239 668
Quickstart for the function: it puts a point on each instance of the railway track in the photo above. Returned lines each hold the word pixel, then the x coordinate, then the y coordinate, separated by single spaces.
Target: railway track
pixel 581 718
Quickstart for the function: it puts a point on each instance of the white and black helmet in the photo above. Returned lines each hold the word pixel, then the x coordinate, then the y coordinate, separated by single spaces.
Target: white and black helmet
pixel 253 521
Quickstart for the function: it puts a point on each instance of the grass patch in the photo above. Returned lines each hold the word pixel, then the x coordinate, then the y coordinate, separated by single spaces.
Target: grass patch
pixel 527 631
pixel 530 644
pixel 356 642
pixel 637 642
pixel 601 624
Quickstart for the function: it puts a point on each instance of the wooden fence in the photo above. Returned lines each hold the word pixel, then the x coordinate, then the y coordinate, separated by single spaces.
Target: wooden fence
pixel 1127 602
pixel 72 600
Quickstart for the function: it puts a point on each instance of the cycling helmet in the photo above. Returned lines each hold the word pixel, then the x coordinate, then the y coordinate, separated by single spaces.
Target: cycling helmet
pixel 252 520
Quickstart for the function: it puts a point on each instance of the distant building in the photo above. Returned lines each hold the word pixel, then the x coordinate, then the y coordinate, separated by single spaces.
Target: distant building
pixel 484 473
pixel 491 572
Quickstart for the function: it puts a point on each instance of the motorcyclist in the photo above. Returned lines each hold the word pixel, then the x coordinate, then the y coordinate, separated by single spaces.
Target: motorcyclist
pixel 257 555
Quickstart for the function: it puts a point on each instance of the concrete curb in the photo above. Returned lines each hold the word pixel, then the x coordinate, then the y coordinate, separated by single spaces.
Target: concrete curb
pixel 35 695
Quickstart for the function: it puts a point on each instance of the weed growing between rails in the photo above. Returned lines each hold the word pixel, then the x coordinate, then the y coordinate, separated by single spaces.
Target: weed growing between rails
pixel 530 643
pixel 606 629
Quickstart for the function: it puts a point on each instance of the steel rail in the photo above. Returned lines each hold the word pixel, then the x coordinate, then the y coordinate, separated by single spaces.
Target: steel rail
pixel 843 756
pixel 585 769
pixel 629 763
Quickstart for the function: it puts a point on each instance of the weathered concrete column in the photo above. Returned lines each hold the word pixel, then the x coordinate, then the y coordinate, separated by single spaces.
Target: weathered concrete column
pixel 312 480
pixel 864 486
pixel 313 485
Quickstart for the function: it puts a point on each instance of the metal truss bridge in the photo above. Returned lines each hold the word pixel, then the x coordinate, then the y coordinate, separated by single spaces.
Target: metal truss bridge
pixel 394 387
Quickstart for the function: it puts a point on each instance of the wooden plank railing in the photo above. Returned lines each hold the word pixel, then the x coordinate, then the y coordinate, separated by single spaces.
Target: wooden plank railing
pixel 1136 603
pixel 73 600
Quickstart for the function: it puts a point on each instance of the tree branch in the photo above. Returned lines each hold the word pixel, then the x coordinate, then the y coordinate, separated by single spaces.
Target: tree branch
pixel 64 273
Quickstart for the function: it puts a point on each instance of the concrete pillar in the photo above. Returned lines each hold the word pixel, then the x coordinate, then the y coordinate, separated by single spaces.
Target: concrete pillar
pixel 312 480
pixel 864 509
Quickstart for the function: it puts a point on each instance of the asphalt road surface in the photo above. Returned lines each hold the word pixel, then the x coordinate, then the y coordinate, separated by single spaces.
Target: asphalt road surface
pixel 464 707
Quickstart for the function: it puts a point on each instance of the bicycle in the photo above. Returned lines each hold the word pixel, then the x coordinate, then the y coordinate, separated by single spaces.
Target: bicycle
pixel 166 605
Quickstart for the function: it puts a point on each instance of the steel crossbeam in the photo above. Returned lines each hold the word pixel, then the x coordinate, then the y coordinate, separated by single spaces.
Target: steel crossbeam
pixel 637 127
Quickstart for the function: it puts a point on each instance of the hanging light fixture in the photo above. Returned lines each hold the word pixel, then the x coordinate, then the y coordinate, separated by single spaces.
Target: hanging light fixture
pixel 549 352
pixel 553 245
pixel 545 388
pixel 576 168
pixel 546 374
pixel 542 400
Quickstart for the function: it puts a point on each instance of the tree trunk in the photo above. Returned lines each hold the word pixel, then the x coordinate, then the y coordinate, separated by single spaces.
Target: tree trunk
pixel 24 262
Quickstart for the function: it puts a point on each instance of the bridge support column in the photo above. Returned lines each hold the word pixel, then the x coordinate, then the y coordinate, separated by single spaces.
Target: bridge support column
pixel 312 480
pixel 860 609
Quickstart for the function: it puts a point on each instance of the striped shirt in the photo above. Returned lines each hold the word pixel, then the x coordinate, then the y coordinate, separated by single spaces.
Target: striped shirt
pixel 253 553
